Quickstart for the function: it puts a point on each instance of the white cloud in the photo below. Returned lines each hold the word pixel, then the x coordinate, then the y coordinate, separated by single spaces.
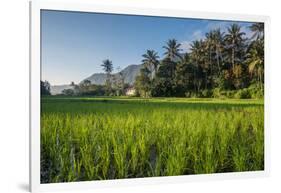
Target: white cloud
pixel 185 46
pixel 196 35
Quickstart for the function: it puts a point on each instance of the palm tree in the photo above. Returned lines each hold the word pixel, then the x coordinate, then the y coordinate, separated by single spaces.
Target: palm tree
pixel 210 46
pixel 210 39
pixel 172 49
pixel 218 38
pixel 196 48
pixel 151 61
pixel 258 31
pixel 143 82
pixel 108 68
pixel 234 38
pixel 255 61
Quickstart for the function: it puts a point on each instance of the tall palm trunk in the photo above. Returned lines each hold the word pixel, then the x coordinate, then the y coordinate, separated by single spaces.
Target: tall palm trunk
pixel 194 74
pixel 260 78
pixel 218 60
pixel 211 66
pixel 210 56
pixel 151 73
pixel 206 80
pixel 233 55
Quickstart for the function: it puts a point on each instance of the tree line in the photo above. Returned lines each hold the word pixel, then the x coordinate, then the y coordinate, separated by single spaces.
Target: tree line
pixel 226 64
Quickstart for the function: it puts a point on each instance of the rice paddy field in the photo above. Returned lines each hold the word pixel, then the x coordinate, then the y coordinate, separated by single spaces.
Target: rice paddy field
pixel 85 139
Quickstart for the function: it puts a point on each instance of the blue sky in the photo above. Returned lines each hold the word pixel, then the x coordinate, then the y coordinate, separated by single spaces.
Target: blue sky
pixel 74 44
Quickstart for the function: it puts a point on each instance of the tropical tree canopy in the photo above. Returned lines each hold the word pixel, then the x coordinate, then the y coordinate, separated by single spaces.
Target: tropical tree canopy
pixel 107 66
pixel 224 61
pixel 150 60
pixel 172 49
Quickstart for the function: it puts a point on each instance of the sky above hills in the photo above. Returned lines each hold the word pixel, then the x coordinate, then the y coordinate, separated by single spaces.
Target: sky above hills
pixel 74 44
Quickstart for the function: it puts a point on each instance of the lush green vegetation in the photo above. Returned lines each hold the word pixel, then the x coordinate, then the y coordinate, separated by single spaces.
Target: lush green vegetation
pixel 219 63
pixel 45 88
pixel 112 138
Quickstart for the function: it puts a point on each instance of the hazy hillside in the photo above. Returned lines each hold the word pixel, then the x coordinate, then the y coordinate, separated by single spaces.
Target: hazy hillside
pixel 57 89
pixel 129 73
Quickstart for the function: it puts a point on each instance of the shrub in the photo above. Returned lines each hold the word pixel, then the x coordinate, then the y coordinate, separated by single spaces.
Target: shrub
pixel 188 94
pixel 207 93
pixel 230 94
pixel 216 93
pixel 243 94
pixel 256 92
pixel 68 92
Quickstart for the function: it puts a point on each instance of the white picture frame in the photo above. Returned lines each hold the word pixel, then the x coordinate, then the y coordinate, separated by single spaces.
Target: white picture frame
pixel 36 6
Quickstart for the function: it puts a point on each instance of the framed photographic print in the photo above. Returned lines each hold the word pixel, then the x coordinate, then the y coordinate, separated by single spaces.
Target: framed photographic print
pixel 124 96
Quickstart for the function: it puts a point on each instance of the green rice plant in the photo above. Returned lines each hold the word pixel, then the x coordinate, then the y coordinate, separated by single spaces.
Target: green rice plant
pixel 114 138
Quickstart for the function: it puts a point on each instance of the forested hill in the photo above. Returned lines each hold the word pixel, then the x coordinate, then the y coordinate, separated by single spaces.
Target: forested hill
pixel 129 73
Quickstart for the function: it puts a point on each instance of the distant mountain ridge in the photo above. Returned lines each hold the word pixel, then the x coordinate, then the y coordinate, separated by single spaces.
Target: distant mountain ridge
pixel 129 73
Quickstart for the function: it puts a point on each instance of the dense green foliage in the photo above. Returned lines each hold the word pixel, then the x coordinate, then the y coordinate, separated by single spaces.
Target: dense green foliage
pixel 220 62
pixel 45 88
pixel 113 138
pixel 115 87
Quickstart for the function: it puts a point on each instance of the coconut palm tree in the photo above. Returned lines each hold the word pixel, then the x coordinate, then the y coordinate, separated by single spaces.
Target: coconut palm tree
pixel 108 68
pixel 218 44
pixel 172 49
pixel 234 38
pixel 197 55
pixel 151 61
pixel 255 61
pixel 210 46
pixel 195 48
pixel 143 82
pixel 210 41
pixel 258 31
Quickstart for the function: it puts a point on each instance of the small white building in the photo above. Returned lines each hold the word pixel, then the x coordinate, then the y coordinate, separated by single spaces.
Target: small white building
pixel 131 91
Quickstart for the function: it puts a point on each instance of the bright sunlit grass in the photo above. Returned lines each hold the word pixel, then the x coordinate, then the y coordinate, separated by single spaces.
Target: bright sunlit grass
pixel 121 137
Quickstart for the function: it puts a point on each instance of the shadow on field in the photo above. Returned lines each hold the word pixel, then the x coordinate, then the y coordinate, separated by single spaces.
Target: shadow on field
pixel 158 102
